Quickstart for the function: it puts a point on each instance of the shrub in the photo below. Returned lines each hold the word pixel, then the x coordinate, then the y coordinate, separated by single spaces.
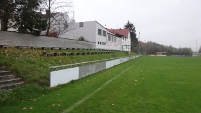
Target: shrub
pixel 81 38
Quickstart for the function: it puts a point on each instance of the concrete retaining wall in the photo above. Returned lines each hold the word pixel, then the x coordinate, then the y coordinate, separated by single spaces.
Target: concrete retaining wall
pixel 91 69
pixel 67 75
pixel 63 76
pixel 17 39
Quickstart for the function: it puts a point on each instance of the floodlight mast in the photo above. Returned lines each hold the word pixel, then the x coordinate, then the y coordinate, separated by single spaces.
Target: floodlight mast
pixel 196 45
pixel 139 42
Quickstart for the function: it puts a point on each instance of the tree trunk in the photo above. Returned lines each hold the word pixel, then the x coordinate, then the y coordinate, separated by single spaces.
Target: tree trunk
pixel 5 19
pixel 49 14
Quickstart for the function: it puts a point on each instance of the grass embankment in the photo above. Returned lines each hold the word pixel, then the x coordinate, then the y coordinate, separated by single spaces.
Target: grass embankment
pixel 154 85
pixel 32 67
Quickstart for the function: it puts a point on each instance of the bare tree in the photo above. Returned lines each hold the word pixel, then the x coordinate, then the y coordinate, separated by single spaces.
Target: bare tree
pixel 61 23
pixel 57 16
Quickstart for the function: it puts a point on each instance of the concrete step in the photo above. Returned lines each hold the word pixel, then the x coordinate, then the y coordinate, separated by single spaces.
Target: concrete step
pixel 6 77
pixel 9 81
pixel 11 86
pixel 3 73
pixel 2 68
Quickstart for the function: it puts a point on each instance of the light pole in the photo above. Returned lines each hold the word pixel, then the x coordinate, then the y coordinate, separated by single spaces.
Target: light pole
pixel 145 47
pixel 139 42
pixel 196 45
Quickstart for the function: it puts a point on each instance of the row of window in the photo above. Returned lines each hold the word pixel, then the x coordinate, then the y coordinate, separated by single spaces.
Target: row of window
pixel 110 37
pixel 102 32
pixel 102 43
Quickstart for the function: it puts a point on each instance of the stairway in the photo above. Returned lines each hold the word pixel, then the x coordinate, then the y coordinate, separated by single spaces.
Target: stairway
pixel 8 80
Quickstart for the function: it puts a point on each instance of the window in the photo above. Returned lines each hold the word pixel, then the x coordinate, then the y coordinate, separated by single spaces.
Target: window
pixel 104 33
pixel 109 38
pixel 101 43
pixel 114 39
pixel 99 32
pixel 81 24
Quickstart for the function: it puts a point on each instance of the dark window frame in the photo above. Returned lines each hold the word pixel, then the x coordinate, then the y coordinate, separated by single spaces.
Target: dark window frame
pixel 100 32
pixel 104 33
pixel 81 24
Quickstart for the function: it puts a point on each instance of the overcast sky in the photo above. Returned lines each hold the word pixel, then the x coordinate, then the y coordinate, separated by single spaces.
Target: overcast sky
pixel 167 22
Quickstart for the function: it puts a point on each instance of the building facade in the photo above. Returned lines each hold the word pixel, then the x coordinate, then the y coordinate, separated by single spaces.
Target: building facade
pixel 124 34
pixel 103 38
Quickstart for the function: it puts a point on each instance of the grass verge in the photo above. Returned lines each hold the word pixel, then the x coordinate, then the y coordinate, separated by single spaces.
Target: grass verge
pixel 154 85
pixel 64 96
pixel 33 68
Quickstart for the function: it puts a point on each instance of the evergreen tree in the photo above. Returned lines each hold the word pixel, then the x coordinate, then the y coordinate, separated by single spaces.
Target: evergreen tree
pixel 27 19
pixel 134 40
pixel 6 12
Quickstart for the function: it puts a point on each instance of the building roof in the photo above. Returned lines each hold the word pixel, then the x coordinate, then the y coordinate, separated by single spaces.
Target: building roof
pixel 123 32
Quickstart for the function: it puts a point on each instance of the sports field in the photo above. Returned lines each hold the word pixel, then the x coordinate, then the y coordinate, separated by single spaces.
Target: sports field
pixel 143 85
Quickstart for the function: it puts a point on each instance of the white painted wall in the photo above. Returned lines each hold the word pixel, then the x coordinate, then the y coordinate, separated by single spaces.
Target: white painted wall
pixel 114 45
pixel 101 38
pixel 87 31
pixel 126 41
pixel 90 32
pixel 116 62
pixel 63 76
pixel 66 75
pixel 109 64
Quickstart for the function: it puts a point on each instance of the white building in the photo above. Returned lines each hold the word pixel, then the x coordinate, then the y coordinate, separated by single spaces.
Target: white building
pixel 93 31
pixel 125 38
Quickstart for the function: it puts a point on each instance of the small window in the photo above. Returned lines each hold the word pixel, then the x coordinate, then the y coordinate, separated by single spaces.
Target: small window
pixel 109 38
pixel 81 24
pixel 99 32
pixel 114 39
pixel 104 33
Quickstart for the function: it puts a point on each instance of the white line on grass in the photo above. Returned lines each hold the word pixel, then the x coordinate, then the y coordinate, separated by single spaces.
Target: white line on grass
pixel 91 94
